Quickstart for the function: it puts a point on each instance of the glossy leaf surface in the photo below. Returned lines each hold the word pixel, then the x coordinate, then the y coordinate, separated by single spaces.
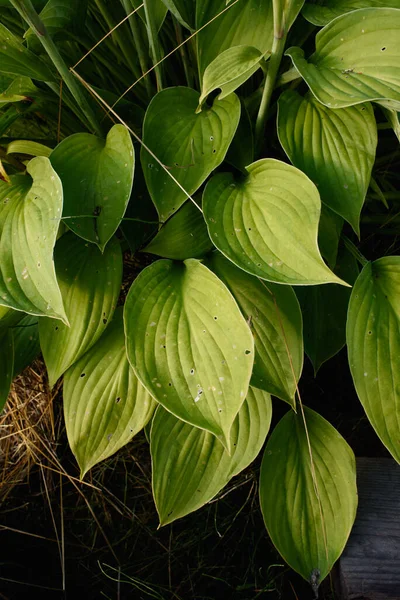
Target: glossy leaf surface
pixel 309 530
pixel 321 14
pixel 373 340
pixel 190 466
pixel 189 344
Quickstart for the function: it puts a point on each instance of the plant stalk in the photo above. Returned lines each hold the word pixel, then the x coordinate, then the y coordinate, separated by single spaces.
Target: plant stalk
pixel 153 43
pixel 138 42
pixel 32 19
pixel 278 47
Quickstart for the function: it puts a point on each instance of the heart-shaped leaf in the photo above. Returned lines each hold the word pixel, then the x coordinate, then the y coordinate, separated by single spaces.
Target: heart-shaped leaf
pixel 229 70
pixel 183 236
pixel 189 145
pixel 183 11
pixel 97 177
pixel 244 23
pixel 267 223
pixel 6 365
pixel 324 309
pixel 308 507
pixel 188 344
pixel 357 58
pixel 15 59
pixel 90 284
pixel 30 209
pixel 104 403
pixel 274 316
pixel 335 148
pixel 190 466
pixel 373 340
pixel 321 14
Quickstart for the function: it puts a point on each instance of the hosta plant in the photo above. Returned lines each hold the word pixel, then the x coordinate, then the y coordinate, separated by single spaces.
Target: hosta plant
pixel 230 146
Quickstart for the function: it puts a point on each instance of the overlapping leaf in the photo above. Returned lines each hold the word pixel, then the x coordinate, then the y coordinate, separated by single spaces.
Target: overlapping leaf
pixel 183 10
pixel 335 148
pixel 190 466
pixel 244 23
pixel 189 145
pixel 16 59
pixel 188 344
pixel 30 210
pixel 97 177
pixel 322 13
pixel 26 343
pixel 104 403
pixel 183 236
pixel 229 70
pixel 267 223
pixel 324 311
pixel 90 284
pixel 357 58
pixel 308 508
pixel 373 340
pixel 274 316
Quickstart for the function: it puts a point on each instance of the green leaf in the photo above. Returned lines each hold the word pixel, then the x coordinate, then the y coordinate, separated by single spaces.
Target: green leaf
pixel 357 58
pixel 274 316
pixel 327 10
pixel 63 15
pixel 104 403
pixel 183 11
pixel 188 344
pixel 15 59
pixel 190 466
pixel 229 70
pixel 28 147
pixel 97 177
pixel 30 208
pixel 335 148
pixel 245 23
pixel 9 317
pixel 241 150
pixel 183 236
pixel 6 365
pixel 159 11
pixel 324 311
pixel 90 284
pixel 308 509
pixel 373 340
pixel 267 223
pixel 189 145
pixel 21 89
pixel 26 343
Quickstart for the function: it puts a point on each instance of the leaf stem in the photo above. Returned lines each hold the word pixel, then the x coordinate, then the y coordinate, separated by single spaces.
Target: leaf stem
pixel 138 42
pixel 30 16
pixel 153 43
pixel 278 47
pixel 355 251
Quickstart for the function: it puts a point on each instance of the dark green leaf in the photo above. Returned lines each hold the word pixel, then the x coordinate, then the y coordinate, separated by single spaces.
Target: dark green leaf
pixel 15 59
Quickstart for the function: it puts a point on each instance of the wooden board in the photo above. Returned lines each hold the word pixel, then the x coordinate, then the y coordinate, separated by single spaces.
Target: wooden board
pixel 370 565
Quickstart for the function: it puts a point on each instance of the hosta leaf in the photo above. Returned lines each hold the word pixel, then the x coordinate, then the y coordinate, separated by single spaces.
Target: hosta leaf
pixel 274 316
pixel 335 148
pixel 188 344
pixel 158 8
pixel 90 284
pixel 6 365
pixel 26 343
pixel 245 23
pixel 327 10
pixel 9 317
pixel 30 209
pixel 97 177
pixel 183 10
pixel 229 70
pixel 357 58
pixel 190 466
pixel 104 403
pixel 183 236
pixel 308 510
pixel 190 145
pixel 21 89
pixel 373 340
pixel 241 150
pixel 267 223
pixel 324 309
pixel 329 232
pixel 15 59
pixel 28 147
